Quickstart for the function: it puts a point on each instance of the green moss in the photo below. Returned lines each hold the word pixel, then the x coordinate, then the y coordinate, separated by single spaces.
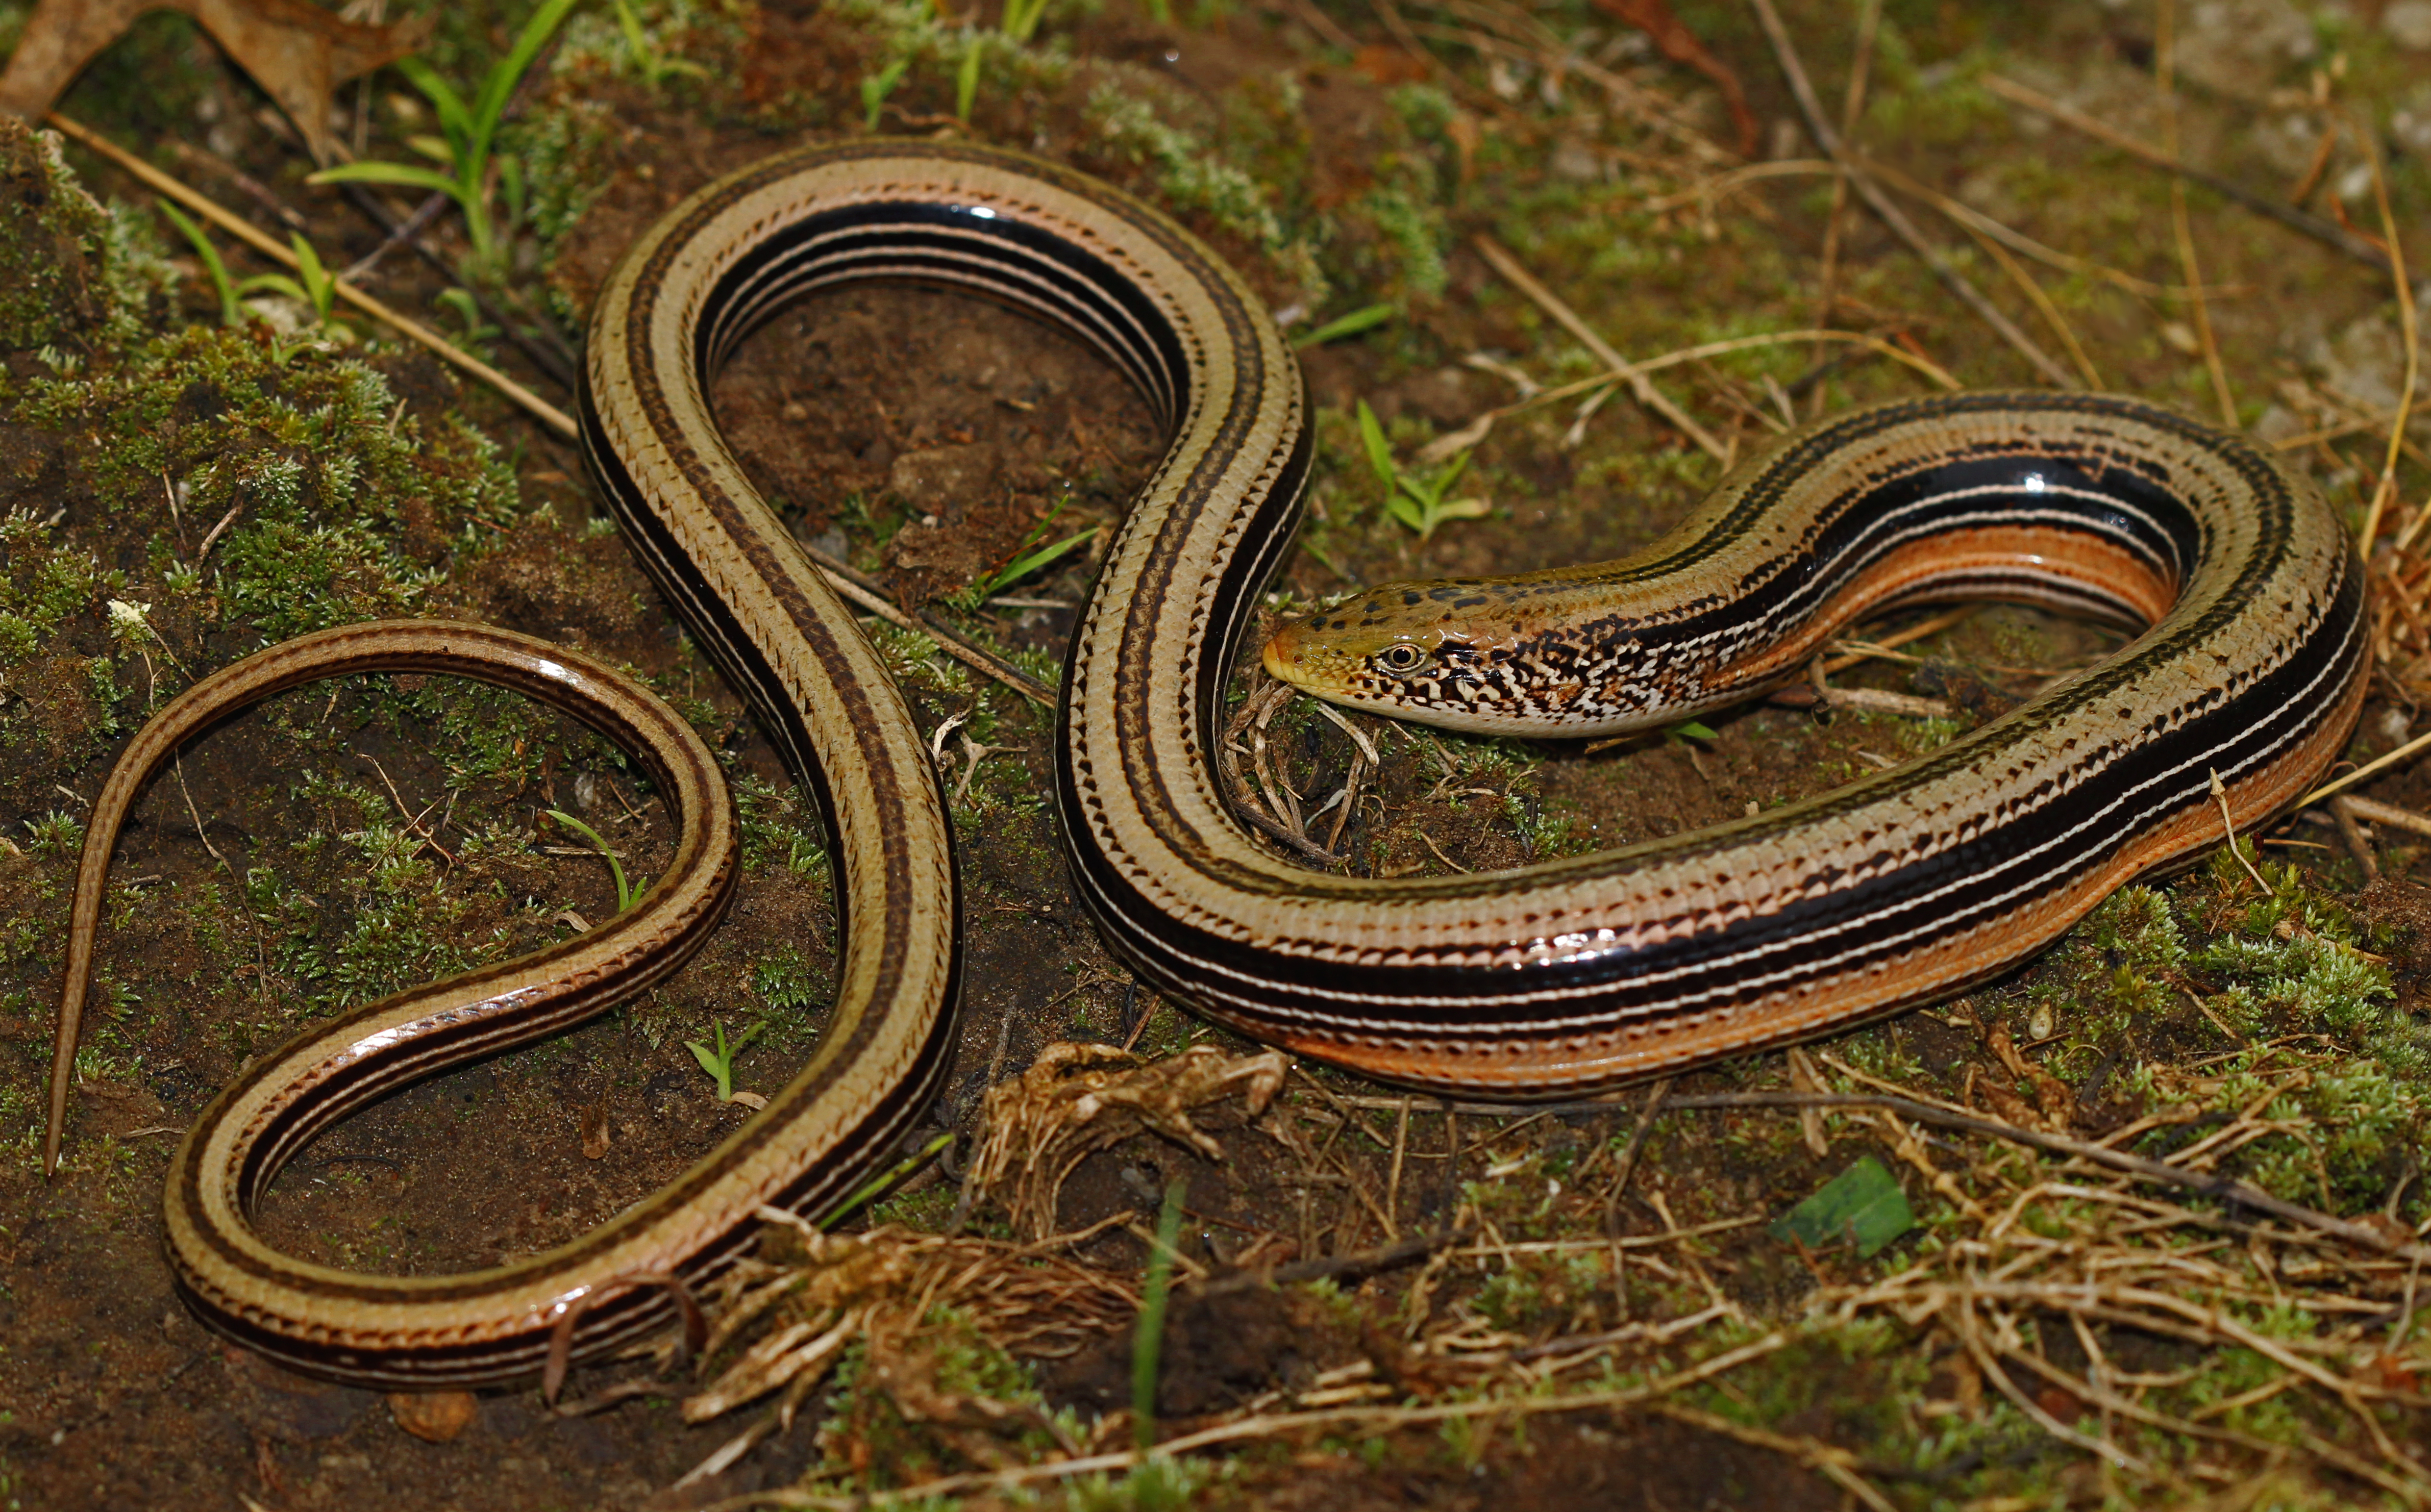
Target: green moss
pixel 70 273
pixel 1192 177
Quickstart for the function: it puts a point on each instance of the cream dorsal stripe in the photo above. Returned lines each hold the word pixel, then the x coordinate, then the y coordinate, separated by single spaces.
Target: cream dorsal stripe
pixel 1540 982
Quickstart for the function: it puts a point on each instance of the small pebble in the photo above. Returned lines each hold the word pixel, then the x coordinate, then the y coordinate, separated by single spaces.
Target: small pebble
pixel 434 1417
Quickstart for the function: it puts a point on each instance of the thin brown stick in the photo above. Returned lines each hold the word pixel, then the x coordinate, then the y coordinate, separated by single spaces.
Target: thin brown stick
pixel 1269 1425
pixel 2044 304
pixel 1569 320
pixel 1970 219
pixel 2222 1188
pixel 1889 214
pixel 1629 1154
pixel 243 230
pixel 1852 109
pixel 2287 215
pixel 1835 1464
pixel 2384 493
pixel 2372 768
pixel 2165 65
pixel 2377 812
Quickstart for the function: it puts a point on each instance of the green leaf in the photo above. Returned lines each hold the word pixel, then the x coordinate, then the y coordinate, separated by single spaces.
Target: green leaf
pixel 1350 325
pixel 277 282
pixel 1380 452
pixel 1015 571
pixel 510 188
pixel 501 85
pixel 636 41
pixel 319 287
pixel 412 175
pixel 1862 1205
pixel 453 117
pixel 626 895
pixel 212 262
pixel 1021 18
pixel 877 87
pixel 1690 729
pixel 966 78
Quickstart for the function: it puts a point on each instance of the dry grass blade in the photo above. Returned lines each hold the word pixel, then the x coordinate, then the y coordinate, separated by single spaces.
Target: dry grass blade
pixel 1645 391
pixel 243 230
pixel 2288 215
pixel 1889 214
pixel 1077 1098
pixel 2384 492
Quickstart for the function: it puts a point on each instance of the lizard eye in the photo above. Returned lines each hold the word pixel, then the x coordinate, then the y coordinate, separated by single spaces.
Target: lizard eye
pixel 1400 658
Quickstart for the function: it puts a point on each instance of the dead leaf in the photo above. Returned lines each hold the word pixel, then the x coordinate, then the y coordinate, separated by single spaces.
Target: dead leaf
pixel 1677 43
pixel 295 51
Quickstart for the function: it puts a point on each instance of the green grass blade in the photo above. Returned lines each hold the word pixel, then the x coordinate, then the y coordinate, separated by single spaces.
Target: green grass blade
pixel 966 78
pixel 229 311
pixel 319 287
pixel 1147 1339
pixel 1350 325
pixel 877 87
pixel 409 175
pixel 277 282
pixel 1380 452
pixel 501 85
pixel 454 119
pixel 1015 571
pixel 624 895
pixel 875 1185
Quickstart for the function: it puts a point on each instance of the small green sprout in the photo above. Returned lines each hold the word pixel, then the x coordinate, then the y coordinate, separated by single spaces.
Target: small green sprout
pixel 719 1063
pixel 1365 319
pixel 1025 561
pixel 468 311
pixel 471 130
pixel 966 78
pixel 231 307
pixel 656 67
pixel 1021 19
pixel 1147 1339
pixel 1416 499
pixel 876 87
pixel 313 285
pixel 626 895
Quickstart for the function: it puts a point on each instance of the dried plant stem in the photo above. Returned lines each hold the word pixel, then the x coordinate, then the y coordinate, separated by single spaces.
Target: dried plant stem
pixel 1852 109
pixel 1835 1464
pixel 1628 373
pixel 1271 1425
pixel 2287 215
pixel 2165 64
pixel 1889 214
pixel 2222 1188
pixel 540 410
pixel 2384 493
pixel 2374 767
